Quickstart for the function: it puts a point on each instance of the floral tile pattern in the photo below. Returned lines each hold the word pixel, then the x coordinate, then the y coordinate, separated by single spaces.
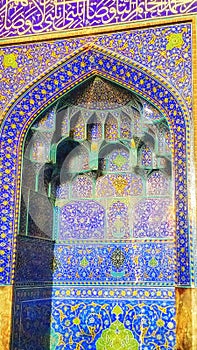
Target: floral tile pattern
pixel 110 293
pixel 59 82
pixel 97 318
pixel 164 50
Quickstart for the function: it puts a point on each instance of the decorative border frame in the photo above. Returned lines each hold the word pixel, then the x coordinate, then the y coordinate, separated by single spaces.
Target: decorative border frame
pixel 93 60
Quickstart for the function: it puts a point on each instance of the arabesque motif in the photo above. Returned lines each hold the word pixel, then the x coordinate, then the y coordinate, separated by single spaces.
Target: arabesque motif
pixel 146 47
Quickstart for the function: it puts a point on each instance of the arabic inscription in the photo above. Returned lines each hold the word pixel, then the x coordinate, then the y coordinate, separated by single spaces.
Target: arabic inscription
pixel 27 17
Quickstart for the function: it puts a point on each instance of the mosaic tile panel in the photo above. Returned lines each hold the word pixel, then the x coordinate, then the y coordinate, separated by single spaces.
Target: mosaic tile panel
pixel 154 217
pixel 137 123
pixel 62 191
pixel 114 219
pixel 82 187
pixel 111 128
pixel 82 220
pixel 150 112
pixel 77 129
pixel 164 141
pixel 158 184
pixel 139 318
pixel 118 160
pixel 47 122
pixel 98 292
pixel 125 127
pixel 153 90
pixel 165 51
pixel 94 129
pixel 146 156
pixel 106 324
pixel 144 322
pixel 118 221
pixel 140 262
pixel 99 95
pixel 119 185
pixel 171 46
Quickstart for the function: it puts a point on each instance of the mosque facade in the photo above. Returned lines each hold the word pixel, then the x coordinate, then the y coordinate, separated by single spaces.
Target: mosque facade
pixel 98 111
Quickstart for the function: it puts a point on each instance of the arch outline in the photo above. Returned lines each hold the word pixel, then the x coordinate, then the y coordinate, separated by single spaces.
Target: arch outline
pixel 94 61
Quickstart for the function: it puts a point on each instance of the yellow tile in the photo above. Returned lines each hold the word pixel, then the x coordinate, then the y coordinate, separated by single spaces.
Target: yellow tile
pixel 5 316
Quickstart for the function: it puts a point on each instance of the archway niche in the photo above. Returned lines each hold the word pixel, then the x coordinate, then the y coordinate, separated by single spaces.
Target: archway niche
pixel 97 214
pixel 96 148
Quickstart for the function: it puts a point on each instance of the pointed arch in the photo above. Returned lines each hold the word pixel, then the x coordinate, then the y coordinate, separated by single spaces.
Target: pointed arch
pixel 125 127
pixel 77 127
pixel 94 128
pixel 111 128
pixel 61 80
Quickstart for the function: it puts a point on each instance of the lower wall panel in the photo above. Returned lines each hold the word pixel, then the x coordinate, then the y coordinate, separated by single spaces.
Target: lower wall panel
pixel 31 318
pixel 5 316
pixel 89 318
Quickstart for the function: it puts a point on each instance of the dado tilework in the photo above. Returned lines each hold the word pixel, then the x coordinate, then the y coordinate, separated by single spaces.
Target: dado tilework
pixel 95 318
pixel 164 50
pixel 108 323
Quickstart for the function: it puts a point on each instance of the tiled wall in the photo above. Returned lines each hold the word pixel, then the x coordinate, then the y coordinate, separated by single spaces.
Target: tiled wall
pixel 94 318
pixel 87 315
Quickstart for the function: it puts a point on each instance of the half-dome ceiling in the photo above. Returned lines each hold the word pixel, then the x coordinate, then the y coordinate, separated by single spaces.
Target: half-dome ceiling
pixel 99 93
